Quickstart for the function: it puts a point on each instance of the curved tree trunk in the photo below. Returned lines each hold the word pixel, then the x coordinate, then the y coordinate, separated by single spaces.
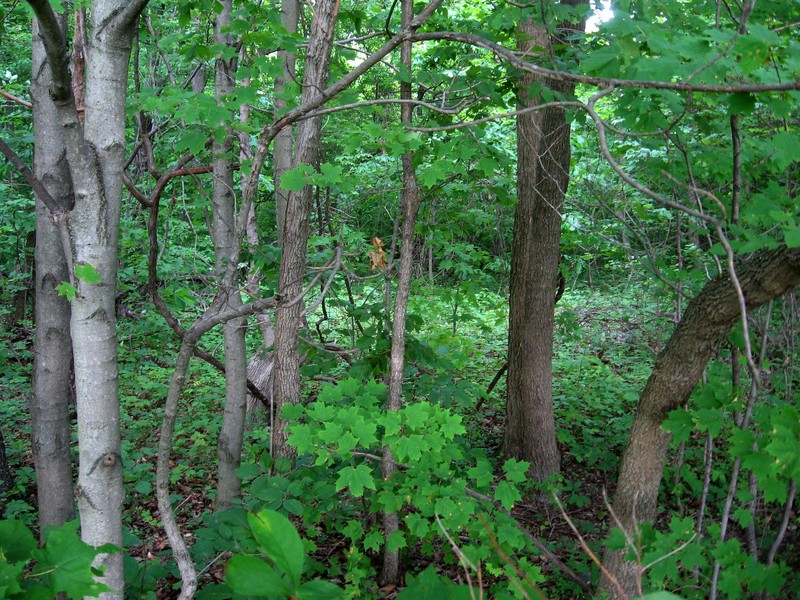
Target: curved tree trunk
pixel 543 151
pixel 52 370
pixel 705 324
pixel 288 319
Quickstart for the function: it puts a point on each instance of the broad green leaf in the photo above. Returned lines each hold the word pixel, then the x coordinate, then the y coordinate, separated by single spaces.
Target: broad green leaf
pixel 661 595
pixel 280 542
pixel 357 479
pixel 66 561
pixel 66 290
pixel 16 542
pixel 516 470
pixel 87 273
pixel 428 585
pixel 481 473
pixel 251 576
pixel 10 575
pixel 319 590
pixel 296 179
pixel 507 495
pixel 194 140
pixel 397 540
pixel 679 422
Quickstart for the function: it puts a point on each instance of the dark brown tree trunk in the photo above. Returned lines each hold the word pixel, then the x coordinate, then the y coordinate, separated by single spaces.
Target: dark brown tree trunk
pixel 705 324
pixel 543 150
pixel 288 318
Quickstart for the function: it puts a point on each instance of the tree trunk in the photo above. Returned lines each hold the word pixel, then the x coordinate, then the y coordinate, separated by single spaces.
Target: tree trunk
pixel 409 202
pixel 96 155
pixel 229 447
pixel 296 230
pixel 52 368
pixel 543 151
pixel 705 324
pixel 284 141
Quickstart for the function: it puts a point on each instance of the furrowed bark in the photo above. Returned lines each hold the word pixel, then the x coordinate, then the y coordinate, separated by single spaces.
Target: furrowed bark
pixel 293 260
pixel 543 149
pixel 705 324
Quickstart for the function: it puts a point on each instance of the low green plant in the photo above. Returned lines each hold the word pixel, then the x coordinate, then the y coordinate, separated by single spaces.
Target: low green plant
pixel 271 564
pixel 63 564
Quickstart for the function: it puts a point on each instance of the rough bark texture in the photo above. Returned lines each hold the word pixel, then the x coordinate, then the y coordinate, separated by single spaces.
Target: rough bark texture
pixel 705 324
pixel 543 152
pixel 229 446
pixel 293 260
pixel 284 141
pixel 409 202
pixel 52 346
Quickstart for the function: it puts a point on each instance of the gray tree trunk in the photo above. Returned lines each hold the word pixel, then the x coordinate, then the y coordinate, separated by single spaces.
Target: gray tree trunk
pixel 705 324
pixel 543 151
pixel 95 155
pixel 284 141
pixel 293 260
pixel 52 346
pixel 229 447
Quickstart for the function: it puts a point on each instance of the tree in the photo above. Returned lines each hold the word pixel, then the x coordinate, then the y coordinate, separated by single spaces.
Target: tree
pixel 543 155
pixel 52 371
pixel 95 156
pixel 289 318
pixel 704 326
pixel 226 244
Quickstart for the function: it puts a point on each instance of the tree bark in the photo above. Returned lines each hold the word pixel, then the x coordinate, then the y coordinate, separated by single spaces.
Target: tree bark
pixel 52 345
pixel 409 203
pixel 95 155
pixel 284 141
pixel 293 260
pixel 543 150
pixel 229 446
pixel 705 324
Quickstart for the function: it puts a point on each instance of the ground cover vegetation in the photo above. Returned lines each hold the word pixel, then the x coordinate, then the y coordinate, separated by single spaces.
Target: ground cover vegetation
pixel 396 299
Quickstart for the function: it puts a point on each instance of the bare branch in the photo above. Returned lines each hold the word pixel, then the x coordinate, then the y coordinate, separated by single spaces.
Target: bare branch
pixel 14 98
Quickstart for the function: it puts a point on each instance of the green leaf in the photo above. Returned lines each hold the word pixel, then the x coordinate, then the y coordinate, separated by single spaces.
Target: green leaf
pixel 507 495
pixel 87 273
pixel 251 576
pixel 16 542
pixel 357 479
pixel 10 576
pixel 296 179
pixel 194 140
pixel 66 561
pixel 280 541
pixel 428 585
pixel 661 595
pixel 679 422
pixel 319 590
pixel 397 540
pixel 65 290
pixel 481 473
pixel 791 236
pixel 516 470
